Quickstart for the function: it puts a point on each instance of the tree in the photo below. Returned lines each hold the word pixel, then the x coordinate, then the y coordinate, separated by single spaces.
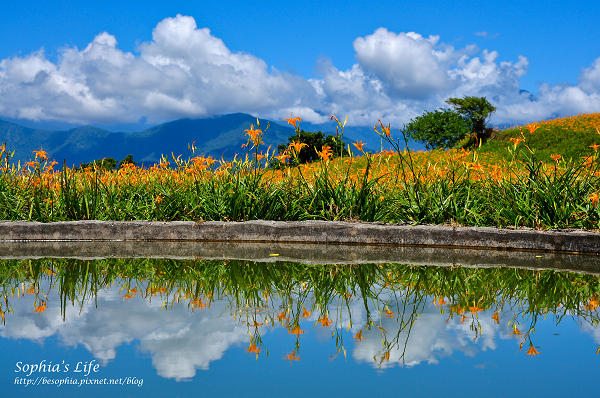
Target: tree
pixel 477 109
pixel 108 164
pixel 128 159
pixel 315 142
pixel 100 164
pixel 439 129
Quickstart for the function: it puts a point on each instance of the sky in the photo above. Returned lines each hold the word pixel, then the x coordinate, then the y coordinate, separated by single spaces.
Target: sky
pixel 145 63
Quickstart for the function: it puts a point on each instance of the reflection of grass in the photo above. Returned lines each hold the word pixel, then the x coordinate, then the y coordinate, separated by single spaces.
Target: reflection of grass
pixel 527 183
pixel 262 295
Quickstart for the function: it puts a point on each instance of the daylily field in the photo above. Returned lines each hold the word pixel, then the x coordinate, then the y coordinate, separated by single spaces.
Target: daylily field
pixel 519 179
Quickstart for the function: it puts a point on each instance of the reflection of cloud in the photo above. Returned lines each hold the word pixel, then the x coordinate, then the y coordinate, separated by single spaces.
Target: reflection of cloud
pixel 180 342
pixel 430 339
pixel 586 327
pixel 485 366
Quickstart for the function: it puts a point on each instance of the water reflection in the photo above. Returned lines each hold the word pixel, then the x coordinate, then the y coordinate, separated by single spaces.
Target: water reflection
pixel 188 314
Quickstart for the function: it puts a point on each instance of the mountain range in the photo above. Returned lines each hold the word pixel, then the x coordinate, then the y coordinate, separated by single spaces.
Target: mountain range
pixel 216 137
pixel 219 136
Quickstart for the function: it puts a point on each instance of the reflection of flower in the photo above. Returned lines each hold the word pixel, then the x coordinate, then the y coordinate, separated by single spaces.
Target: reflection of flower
pixel 253 348
pixel 297 331
pixel 496 318
pixel 358 336
pixel 292 357
pixel 475 310
pixel 282 316
pixel 532 351
pixel 305 313
pixel 325 322
pixel 40 307
pixel 516 332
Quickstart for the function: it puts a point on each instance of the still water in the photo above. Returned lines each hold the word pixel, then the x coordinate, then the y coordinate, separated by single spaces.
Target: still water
pixel 169 328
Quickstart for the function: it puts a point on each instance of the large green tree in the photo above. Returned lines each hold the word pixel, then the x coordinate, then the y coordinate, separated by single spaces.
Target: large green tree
pixel 442 128
pixel 477 109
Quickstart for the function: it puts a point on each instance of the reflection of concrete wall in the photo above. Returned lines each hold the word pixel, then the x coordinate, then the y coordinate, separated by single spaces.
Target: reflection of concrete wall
pixel 303 253
pixel 320 232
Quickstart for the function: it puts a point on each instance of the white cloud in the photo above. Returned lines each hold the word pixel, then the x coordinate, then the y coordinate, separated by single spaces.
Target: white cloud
pixel 185 71
pixel 409 65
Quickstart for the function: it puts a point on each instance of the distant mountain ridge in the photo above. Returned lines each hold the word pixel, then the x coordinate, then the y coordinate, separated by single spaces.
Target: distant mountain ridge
pixel 216 137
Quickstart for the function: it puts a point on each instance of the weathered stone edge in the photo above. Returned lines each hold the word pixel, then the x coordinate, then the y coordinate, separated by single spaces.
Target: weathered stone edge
pixel 313 232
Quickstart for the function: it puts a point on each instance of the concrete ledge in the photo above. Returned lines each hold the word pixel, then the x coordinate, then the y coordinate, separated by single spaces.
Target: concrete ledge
pixel 318 254
pixel 311 232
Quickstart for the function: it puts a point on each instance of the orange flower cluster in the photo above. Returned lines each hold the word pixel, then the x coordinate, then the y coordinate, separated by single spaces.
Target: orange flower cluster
pixel 581 122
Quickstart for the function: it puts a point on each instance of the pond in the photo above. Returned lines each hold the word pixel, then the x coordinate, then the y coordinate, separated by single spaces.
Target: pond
pixel 225 327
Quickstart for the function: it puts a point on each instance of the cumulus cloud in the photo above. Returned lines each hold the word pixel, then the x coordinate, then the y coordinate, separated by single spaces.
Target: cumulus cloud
pixel 185 71
pixel 486 34
pixel 409 65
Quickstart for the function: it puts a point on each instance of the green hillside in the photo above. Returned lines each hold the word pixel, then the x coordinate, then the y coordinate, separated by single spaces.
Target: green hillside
pixel 571 137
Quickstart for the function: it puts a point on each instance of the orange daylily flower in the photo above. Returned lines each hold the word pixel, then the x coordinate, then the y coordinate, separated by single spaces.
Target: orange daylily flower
pixel 40 307
pixel 594 146
pixel 594 198
pixel 325 322
pixel 283 157
pixel 305 313
pixel 255 325
pixel 532 351
pixel 532 128
pixel 326 153
pixel 293 120
pixel 384 130
pixel 297 146
pixel 389 313
pixel 359 145
pixel 254 135
pixel 41 154
pixel 517 141
pixel 556 157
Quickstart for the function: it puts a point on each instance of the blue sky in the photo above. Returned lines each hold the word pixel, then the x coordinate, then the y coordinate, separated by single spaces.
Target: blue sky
pixel 107 62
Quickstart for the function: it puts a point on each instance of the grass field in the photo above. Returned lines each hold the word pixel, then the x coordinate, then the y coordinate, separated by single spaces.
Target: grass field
pixel 543 175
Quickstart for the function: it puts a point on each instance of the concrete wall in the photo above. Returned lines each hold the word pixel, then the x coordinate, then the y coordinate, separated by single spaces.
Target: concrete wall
pixel 312 232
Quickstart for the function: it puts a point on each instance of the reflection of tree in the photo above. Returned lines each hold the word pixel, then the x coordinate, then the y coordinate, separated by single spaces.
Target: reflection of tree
pixel 264 295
